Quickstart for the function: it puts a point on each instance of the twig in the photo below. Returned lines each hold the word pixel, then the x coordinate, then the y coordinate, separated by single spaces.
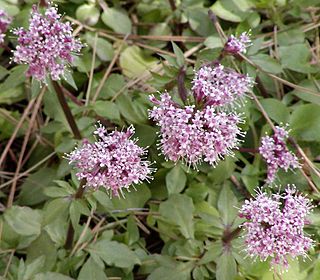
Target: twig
pixel 92 69
pixel 264 113
pixel 16 130
pixel 108 71
pixel 81 235
pixel 23 148
pixel 217 25
pixel 28 171
pixel 8 264
pixel 70 233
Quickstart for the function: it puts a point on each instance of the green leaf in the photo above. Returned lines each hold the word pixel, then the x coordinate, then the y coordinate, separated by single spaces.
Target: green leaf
pixel 315 275
pixel 146 134
pixel 250 177
pixel 134 62
pixel 133 199
pixel 308 96
pixel 52 276
pixel 224 13
pixel 69 79
pixel 267 63
pixel 77 207
pixel 132 231
pixel 114 253
pixel 24 220
pixel 88 14
pixel 104 199
pixel 12 95
pixel 117 20
pixel 226 205
pixel 178 210
pixel 114 83
pixel 132 110
pixel 107 109
pixel 293 272
pixel 180 272
pixel 104 49
pixel 43 246
pixel 15 78
pixel 179 54
pixel 3 72
pixel 55 209
pixel 33 268
pixel 198 19
pixel 276 110
pixel 291 37
pixel 84 62
pixel 301 55
pixel 226 267
pixel 213 42
pixel 35 87
pixel 32 190
pixel 305 122
pixel 91 271
pixel 222 171
pixel 176 180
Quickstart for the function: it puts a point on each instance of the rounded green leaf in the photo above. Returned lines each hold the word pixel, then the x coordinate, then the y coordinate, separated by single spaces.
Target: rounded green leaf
pixel 117 20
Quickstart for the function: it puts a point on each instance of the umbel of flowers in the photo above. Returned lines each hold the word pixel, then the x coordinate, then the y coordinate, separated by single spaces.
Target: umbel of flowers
pixel 220 86
pixel 5 21
pixel 194 135
pixel 274 226
pixel 204 131
pixel 114 161
pixel 47 45
pixel 276 154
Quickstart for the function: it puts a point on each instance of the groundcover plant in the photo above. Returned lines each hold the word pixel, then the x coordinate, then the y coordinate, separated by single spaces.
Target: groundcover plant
pixel 159 139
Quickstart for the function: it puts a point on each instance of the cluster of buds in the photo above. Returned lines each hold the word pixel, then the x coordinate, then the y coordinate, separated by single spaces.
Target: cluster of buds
pixel 276 154
pixel 237 45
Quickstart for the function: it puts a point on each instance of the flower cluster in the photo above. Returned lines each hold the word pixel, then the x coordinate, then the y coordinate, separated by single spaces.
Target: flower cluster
pixel 114 161
pixel 236 45
pixel 220 86
pixel 195 135
pixel 274 226
pixel 5 21
pixel 47 46
pixel 275 152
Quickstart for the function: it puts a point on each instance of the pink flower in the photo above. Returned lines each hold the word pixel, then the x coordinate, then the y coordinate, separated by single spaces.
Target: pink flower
pixel 275 152
pixel 5 21
pixel 220 86
pixel 194 135
pixel 236 45
pixel 47 46
pixel 274 226
pixel 114 161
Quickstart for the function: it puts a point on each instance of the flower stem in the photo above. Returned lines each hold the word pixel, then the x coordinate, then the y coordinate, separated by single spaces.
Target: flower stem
pixel 70 233
pixel 66 110
pixel 229 235
pixel 181 87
